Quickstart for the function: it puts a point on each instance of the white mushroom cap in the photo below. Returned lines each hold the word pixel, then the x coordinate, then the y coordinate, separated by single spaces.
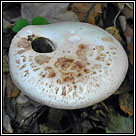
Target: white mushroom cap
pixel 87 65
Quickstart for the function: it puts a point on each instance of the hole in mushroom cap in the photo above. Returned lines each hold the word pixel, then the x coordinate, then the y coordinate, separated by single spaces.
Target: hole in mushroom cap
pixel 43 45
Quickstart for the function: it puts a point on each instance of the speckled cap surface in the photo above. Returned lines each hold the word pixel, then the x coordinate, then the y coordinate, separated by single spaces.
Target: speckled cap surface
pixel 86 67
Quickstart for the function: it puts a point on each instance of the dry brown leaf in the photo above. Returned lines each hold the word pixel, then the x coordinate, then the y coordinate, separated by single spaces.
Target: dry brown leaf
pixel 81 10
pixel 130 48
pixel 128 12
pixel 12 90
pixel 129 5
pixel 126 103
pixel 126 9
pixel 129 34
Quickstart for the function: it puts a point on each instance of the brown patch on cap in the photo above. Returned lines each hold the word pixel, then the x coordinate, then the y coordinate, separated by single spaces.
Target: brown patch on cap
pixel 32 65
pixel 113 53
pixel 59 81
pixel 86 70
pixel 63 91
pixel 64 63
pixel 24 50
pixel 100 48
pixel 51 72
pixel 27 73
pixel 41 59
pixel 18 61
pixel 81 52
pixel 44 75
pixel 75 87
pixel 68 79
pixel 23 43
pixel 36 69
pixel 78 65
pixel 24 58
pixel 21 51
pixel 108 64
pixel 70 69
pixel 107 52
pixel 56 89
pixel 105 39
pixel 82 46
pixel 96 66
pixel 94 72
pixel 97 85
pixel 112 48
pixel 101 57
pixel 23 66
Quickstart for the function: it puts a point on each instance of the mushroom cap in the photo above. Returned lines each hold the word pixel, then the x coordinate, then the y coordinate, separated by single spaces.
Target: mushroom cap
pixel 87 65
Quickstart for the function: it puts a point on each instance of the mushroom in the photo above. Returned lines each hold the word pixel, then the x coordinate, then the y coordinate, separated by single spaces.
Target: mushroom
pixel 85 65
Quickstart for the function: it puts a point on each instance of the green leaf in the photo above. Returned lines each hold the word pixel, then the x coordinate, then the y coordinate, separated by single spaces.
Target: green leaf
pixel 20 24
pixel 119 124
pixel 39 21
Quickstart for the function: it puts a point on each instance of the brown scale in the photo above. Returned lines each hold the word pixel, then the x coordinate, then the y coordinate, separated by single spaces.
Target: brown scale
pixel 41 59
pixel 51 72
pixel 27 73
pixel 23 66
pixel 23 43
pixel 63 63
pixel 107 39
pixel 18 61
pixel 70 69
pixel 24 58
pixel 63 91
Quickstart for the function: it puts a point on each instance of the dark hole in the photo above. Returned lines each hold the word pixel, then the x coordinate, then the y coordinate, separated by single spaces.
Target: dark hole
pixel 43 45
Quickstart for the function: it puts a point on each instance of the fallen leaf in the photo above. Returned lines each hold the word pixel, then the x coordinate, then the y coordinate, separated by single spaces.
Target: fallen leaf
pixel 128 10
pixel 130 5
pixel 119 124
pixel 115 32
pixel 6 123
pixel 129 36
pixel 12 90
pixel 126 103
pixel 82 11
pixel 122 5
pixel 130 48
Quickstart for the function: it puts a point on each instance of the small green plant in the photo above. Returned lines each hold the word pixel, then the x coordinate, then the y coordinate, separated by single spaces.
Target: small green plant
pixel 24 22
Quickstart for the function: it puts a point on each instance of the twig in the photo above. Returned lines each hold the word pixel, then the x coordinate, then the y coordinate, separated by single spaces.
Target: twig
pixel 79 121
pixel 117 15
pixel 88 12
pixel 31 114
